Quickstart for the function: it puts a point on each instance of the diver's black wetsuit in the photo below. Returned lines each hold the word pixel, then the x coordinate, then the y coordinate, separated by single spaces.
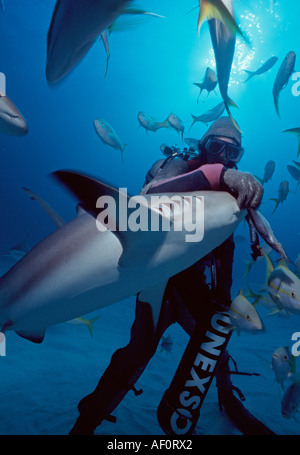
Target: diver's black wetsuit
pixel 184 295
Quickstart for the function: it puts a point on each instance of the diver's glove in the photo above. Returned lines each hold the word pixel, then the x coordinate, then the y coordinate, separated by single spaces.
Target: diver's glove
pixel 244 187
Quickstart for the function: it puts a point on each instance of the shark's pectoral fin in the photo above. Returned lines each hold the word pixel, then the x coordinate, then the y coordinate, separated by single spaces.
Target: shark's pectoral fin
pixel 154 297
pixel 31 335
pixel 129 218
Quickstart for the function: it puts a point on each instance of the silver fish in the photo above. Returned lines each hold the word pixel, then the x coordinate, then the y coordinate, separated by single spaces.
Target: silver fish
pixel 176 123
pixel 262 69
pixel 282 364
pixel 209 116
pixel 283 191
pixel 290 401
pixel 268 172
pixel 266 232
pixel 108 135
pixel 295 173
pixel 149 123
pixel 285 71
pixel 243 315
pixel 209 82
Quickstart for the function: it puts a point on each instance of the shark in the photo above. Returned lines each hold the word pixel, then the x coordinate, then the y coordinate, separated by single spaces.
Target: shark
pixel 80 268
pixel 75 26
pixel 12 123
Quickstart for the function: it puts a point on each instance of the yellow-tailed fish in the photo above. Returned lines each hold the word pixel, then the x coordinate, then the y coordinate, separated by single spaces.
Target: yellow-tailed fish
pixel 283 191
pixel 283 287
pixel 268 172
pixel 243 315
pixel 83 321
pixel 223 29
pixel 150 123
pixel 108 135
pixel 176 123
pixel 290 401
pixel 284 73
pixel 210 115
pixel 283 363
pixel 262 69
pixel 209 82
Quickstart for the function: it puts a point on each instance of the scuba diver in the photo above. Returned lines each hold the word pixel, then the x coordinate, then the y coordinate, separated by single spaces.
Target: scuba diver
pixel 189 299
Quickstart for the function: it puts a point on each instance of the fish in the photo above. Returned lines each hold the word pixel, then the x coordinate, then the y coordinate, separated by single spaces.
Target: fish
pixel 260 298
pixel 283 191
pixel 284 73
pixel 243 315
pixel 295 131
pixel 209 82
pixel 87 322
pixel 80 268
pixel 283 287
pixel 262 69
pixel 223 30
pixel 149 123
pixel 295 173
pixel 268 172
pixel 57 219
pixel 290 401
pixel 210 115
pixel 74 28
pixel 176 123
pixel 19 250
pixel 166 344
pixel 12 122
pixel 221 10
pixel 108 135
pixel 192 143
pixel 283 363
pixel 265 230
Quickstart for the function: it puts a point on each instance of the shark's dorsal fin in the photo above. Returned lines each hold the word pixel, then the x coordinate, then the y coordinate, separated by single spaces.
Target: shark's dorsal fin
pixel 88 190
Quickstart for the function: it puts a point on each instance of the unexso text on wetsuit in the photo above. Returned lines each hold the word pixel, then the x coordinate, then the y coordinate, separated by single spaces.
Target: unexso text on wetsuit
pixel 155 444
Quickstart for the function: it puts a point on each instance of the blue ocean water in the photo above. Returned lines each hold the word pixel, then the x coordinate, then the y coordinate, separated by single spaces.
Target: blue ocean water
pixel 153 67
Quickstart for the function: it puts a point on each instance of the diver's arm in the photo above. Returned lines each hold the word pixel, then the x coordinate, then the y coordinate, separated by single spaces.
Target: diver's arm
pixel 206 177
pixel 242 185
pixel 216 177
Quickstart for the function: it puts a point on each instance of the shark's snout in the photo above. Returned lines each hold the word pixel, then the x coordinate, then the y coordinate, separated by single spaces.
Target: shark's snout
pixel 12 122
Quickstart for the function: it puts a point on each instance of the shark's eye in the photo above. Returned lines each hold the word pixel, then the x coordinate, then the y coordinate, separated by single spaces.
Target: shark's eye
pixel 248 317
pixel 293 294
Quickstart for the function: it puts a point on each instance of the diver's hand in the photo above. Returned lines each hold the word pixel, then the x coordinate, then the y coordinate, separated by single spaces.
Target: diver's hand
pixel 242 185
